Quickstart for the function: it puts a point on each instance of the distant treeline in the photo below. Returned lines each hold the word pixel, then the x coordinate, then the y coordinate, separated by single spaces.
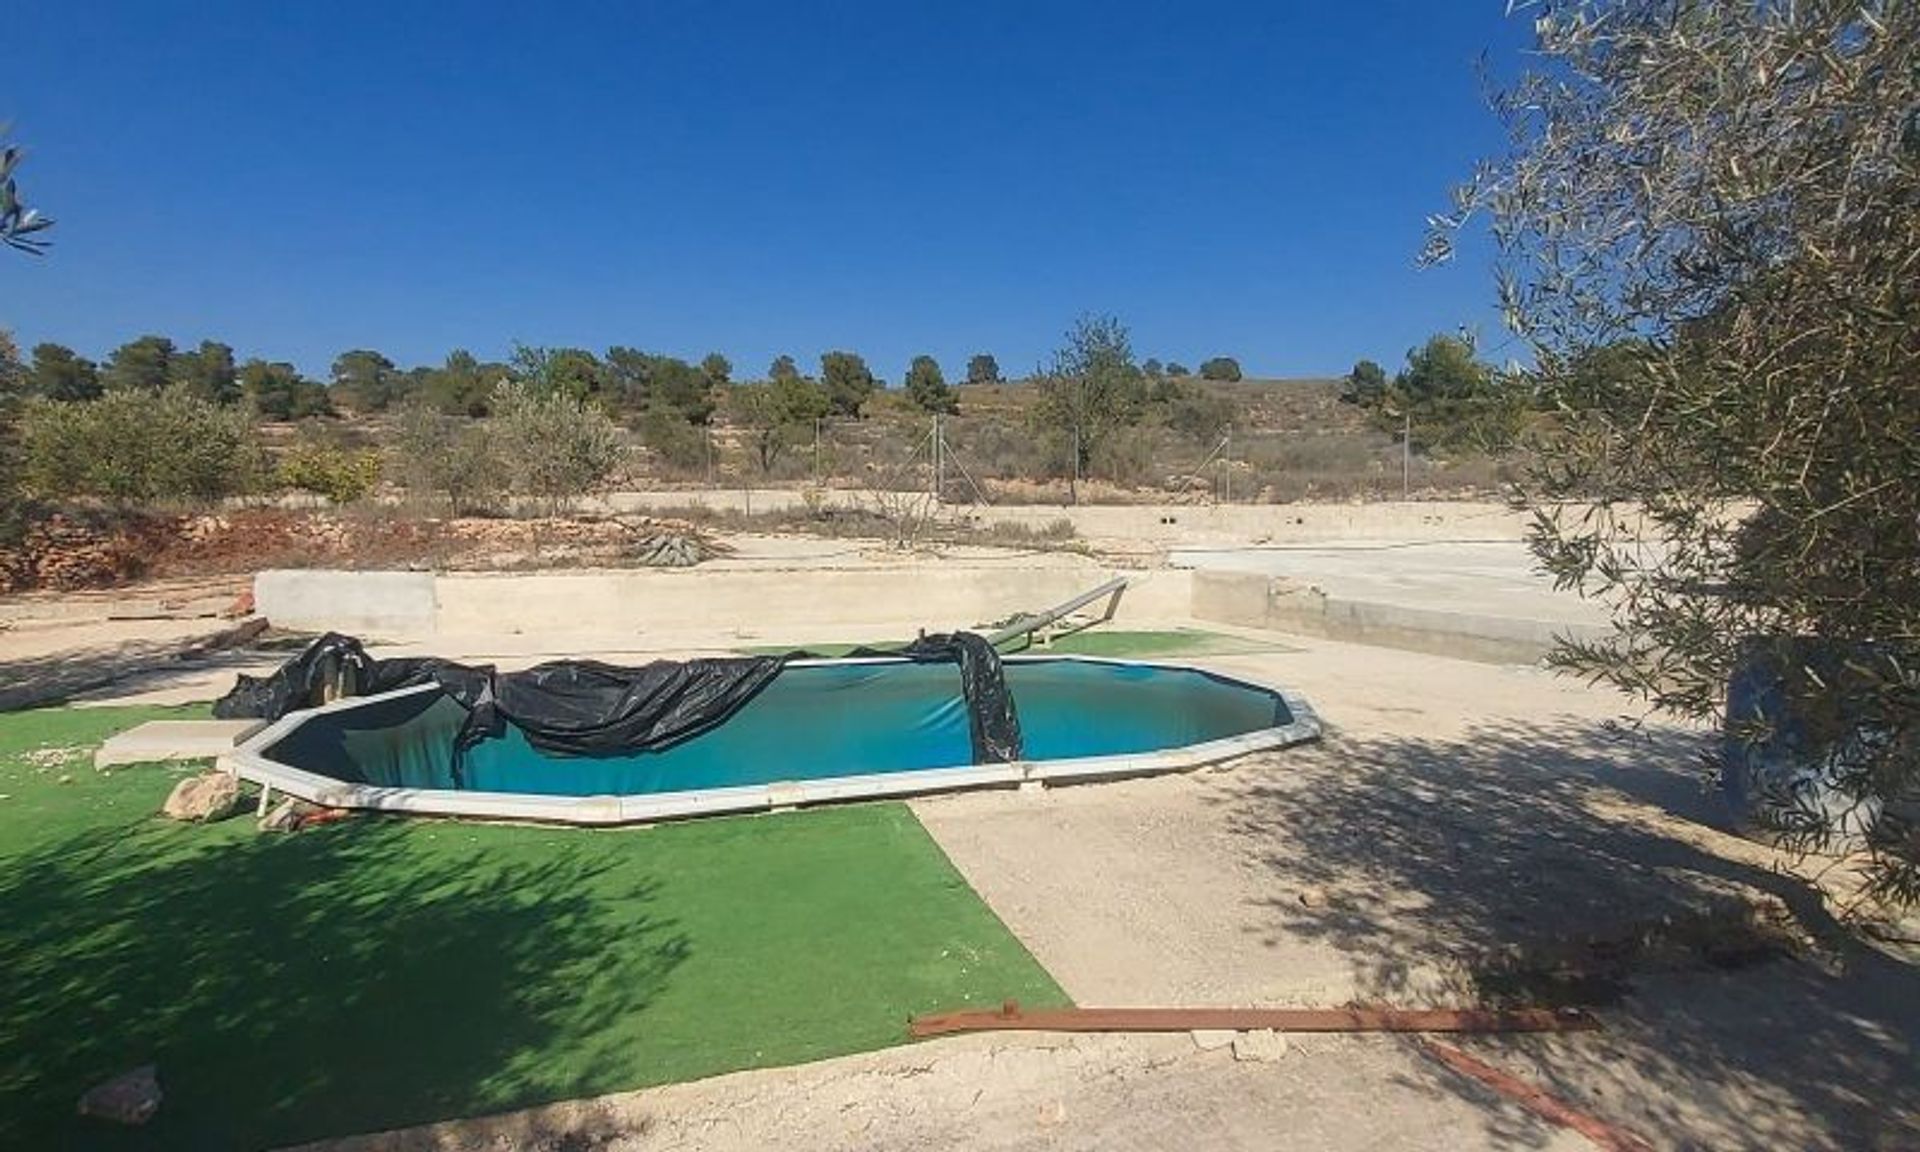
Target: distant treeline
pixel 624 381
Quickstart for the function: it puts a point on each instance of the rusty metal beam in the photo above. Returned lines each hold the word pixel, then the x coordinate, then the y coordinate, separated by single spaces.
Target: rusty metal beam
pixel 1010 1017
pixel 1536 1100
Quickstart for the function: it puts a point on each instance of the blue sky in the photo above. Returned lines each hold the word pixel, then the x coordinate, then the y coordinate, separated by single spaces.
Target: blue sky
pixel 893 178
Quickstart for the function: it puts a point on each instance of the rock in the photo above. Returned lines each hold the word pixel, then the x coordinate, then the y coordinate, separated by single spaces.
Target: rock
pixel 204 798
pixel 129 1098
pixel 287 816
pixel 1263 1046
pixel 1208 1039
pixel 1313 897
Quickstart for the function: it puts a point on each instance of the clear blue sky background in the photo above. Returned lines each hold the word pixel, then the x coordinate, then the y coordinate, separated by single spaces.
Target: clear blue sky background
pixel 888 177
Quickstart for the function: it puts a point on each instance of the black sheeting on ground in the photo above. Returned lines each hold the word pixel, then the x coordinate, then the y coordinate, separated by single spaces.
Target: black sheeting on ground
pixel 586 708
pixel 567 707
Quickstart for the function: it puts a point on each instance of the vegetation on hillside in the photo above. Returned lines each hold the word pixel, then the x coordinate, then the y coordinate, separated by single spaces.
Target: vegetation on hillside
pixel 156 421
pixel 1445 398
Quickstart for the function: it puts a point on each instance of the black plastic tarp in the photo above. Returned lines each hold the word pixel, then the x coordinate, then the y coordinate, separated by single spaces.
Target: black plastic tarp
pixel 567 707
pixel 995 723
pixel 587 708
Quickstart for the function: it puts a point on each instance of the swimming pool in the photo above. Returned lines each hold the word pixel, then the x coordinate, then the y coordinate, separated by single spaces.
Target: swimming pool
pixel 820 730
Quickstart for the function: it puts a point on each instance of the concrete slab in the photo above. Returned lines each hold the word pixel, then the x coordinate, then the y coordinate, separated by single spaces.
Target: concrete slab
pixel 1490 578
pixel 175 740
pixel 1521 634
pixel 1456 810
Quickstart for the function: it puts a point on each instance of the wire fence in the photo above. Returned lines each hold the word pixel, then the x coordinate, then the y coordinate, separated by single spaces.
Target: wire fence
pixel 986 459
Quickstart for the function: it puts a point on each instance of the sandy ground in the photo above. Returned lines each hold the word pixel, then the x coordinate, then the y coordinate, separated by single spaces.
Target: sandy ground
pixel 1454 811
pixel 65 645
pixel 1143 1094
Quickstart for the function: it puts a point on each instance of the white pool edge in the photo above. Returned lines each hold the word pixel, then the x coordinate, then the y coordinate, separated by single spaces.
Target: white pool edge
pixel 249 761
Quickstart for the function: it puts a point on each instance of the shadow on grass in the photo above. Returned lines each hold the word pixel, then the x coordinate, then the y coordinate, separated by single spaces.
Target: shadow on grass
pixel 1565 842
pixel 337 981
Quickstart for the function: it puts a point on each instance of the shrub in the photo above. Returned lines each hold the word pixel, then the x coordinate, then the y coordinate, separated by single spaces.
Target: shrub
pixel 680 446
pixel 342 475
pixel 136 447
pixel 1220 368
pixel 558 448
pixel 450 458
pixel 1019 532
pixel 1195 413
pixel 1124 458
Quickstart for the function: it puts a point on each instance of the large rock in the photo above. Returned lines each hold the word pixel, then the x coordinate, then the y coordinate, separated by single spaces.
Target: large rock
pixel 129 1098
pixel 203 798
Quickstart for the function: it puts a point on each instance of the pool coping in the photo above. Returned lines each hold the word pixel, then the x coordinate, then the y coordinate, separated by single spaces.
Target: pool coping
pixel 248 761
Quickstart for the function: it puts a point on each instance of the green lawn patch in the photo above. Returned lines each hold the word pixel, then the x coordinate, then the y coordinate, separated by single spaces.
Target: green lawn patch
pixel 1113 643
pixel 380 973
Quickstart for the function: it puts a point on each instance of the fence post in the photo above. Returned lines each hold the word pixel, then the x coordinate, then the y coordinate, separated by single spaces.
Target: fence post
pixel 1406 455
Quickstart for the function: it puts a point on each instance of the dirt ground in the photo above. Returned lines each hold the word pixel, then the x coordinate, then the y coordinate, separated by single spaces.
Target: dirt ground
pixel 105 551
pixel 1465 831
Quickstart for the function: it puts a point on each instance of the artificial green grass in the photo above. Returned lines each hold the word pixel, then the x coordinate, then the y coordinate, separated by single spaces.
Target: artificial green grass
pixel 1113 643
pixel 378 973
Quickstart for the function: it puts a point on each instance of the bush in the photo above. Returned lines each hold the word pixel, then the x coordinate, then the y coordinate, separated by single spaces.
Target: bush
pixel 136 447
pixel 1199 415
pixel 1124 458
pixel 1014 533
pixel 558 448
pixel 342 475
pixel 1220 368
pixel 681 446
pixel 452 458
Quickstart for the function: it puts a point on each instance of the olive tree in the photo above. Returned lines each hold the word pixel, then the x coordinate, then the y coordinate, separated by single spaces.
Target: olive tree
pixel 558 447
pixel 19 225
pixel 1719 205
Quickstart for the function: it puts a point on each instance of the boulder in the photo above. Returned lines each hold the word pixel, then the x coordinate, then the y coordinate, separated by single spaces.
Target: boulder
pixel 129 1098
pixel 204 798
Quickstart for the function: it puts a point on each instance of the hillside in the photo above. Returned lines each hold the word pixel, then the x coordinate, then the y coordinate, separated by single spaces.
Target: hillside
pixel 1290 439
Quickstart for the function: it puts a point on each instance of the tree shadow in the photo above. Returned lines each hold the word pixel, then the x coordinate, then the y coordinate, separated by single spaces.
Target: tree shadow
pixel 340 980
pixel 133 666
pixel 1561 858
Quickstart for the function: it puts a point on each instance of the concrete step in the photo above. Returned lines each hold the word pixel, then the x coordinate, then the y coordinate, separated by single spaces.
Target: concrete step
pixel 175 740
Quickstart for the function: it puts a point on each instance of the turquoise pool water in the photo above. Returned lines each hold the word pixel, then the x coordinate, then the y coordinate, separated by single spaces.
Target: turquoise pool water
pixel 812 721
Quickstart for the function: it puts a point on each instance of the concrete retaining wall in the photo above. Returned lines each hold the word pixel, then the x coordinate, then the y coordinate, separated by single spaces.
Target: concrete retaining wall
pixel 930 597
pixel 414 606
pixel 808 605
pixel 1251 600
pixel 388 605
